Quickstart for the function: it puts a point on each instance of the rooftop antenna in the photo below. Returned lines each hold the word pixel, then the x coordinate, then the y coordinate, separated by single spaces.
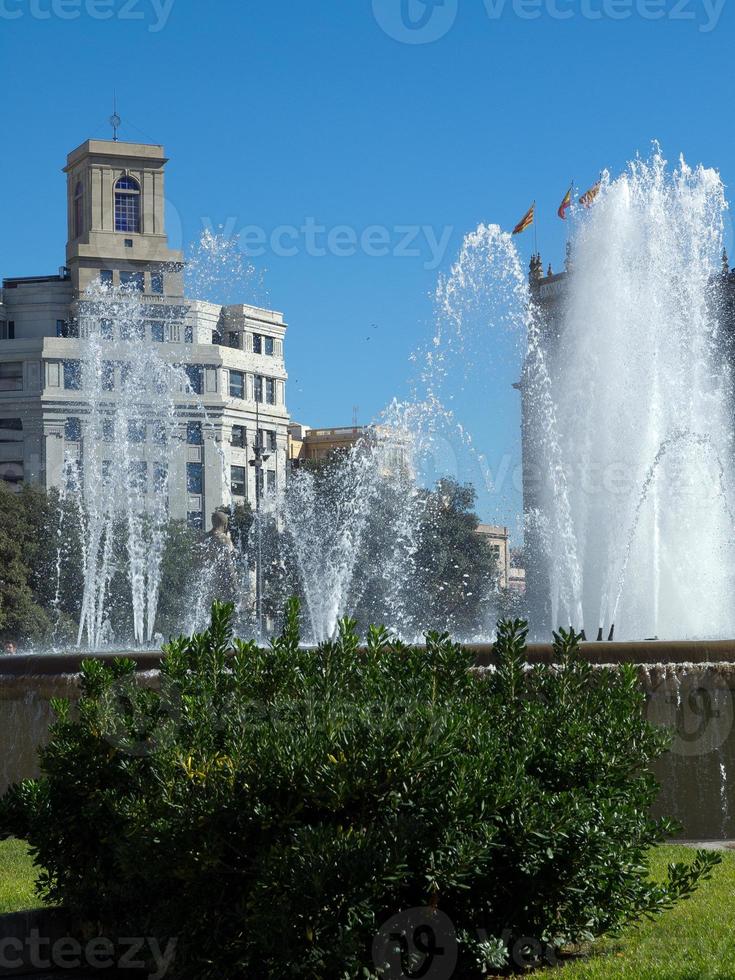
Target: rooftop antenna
pixel 115 120
pixel 355 415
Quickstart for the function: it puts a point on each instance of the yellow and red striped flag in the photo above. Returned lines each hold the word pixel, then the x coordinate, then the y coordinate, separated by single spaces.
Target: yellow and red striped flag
pixel 526 221
pixel 566 203
pixel 588 198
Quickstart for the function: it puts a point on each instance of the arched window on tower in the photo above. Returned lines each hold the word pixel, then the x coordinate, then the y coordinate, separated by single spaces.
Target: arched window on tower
pixel 78 210
pixel 127 204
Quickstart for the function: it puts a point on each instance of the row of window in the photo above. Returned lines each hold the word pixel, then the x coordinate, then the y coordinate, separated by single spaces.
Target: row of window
pixel 137 431
pixel 133 282
pixel 137 472
pixel 161 332
pixel 238 481
pixel 264 389
pixel 261 344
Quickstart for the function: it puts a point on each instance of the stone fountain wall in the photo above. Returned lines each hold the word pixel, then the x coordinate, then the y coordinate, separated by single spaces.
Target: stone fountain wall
pixel 689 686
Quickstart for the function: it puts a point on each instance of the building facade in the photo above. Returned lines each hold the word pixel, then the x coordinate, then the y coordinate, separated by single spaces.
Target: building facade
pixel 233 355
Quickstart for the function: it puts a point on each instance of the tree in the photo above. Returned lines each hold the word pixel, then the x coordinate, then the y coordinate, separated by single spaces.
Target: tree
pixel 22 619
pixel 456 570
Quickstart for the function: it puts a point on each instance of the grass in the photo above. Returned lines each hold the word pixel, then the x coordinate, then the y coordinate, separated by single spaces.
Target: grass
pixel 694 941
pixel 17 878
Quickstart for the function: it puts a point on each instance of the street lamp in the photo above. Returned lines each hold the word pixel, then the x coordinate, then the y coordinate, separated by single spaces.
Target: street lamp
pixel 259 457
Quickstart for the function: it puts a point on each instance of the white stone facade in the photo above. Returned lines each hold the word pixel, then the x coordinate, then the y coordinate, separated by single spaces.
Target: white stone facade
pixel 115 195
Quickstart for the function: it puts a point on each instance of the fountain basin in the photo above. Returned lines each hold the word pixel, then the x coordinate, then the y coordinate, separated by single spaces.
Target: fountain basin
pixel 689 687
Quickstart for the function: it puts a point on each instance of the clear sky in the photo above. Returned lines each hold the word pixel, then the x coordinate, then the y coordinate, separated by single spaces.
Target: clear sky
pixel 350 115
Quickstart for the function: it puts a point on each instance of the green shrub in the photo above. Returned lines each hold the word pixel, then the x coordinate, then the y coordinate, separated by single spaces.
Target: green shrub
pixel 291 813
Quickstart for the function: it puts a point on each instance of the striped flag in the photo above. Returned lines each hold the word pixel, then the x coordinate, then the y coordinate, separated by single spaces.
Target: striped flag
pixel 566 203
pixel 588 198
pixel 526 221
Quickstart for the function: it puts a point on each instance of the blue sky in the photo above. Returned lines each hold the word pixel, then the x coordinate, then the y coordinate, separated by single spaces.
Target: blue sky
pixel 280 113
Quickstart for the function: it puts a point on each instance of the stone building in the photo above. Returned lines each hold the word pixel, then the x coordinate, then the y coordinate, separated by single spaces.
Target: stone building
pixel 314 445
pixel 234 355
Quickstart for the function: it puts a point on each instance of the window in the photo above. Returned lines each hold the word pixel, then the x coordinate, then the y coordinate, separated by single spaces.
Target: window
pixel 194 433
pixel 157 282
pixel 11 376
pixel 106 329
pixel 268 346
pixel 138 474
pixel 132 331
pixel 78 210
pixel 73 430
pixel 8 428
pixel 11 471
pixel 194 374
pixel 158 433
pixel 136 430
pixel 133 282
pixel 108 376
pixel 72 375
pixel 188 335
pixel 108 430
pixel 157 332
pixel 127 204
pixel 258 388
pixel 239 437
pixel 74 474
pixel 106 277
pixel 7 330
pixel 216 337
pixel 237 481
pixel 237 384
pixel 270 391
pixel 106 470
pixel 194 477
pixel 267 439
pixel 233 339
pixel 271 482
pixel 128 243
pixel 126 373
pixel 62 328
pixel 160 478
pixel 194 520
pixel 257 344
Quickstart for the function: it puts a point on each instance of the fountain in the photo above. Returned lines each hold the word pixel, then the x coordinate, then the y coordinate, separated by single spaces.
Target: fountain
pixel 628 408
pixel 628 458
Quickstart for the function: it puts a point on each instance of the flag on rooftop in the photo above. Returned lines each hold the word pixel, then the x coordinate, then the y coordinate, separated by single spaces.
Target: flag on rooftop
pixel 526 221
pixel 588 198
pixel 566 203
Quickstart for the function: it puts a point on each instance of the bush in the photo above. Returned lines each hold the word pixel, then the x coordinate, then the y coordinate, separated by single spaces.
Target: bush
pixel 276 809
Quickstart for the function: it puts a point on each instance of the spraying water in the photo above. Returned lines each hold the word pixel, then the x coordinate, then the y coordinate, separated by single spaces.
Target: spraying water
pixel 630 402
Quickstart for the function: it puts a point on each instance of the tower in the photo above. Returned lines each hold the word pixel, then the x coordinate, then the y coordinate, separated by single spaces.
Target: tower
pixel 115 214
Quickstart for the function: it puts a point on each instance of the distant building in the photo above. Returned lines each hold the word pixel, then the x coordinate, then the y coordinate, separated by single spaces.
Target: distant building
pixel 498 540
pixel 316 445
pixel 234 355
